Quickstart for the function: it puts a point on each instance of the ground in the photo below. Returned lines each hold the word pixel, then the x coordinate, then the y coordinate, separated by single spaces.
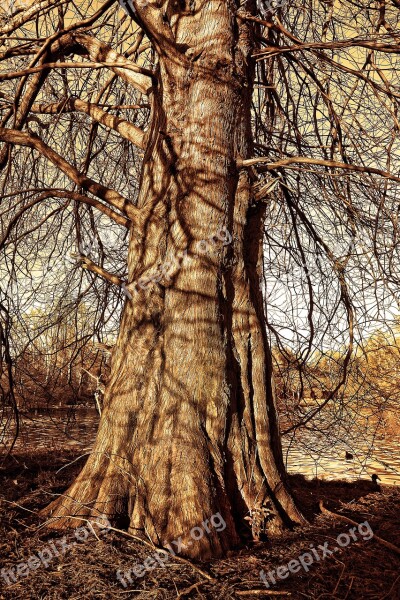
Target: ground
pixel 87 570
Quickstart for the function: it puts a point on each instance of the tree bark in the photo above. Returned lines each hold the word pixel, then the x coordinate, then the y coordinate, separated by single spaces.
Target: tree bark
pixel 189 426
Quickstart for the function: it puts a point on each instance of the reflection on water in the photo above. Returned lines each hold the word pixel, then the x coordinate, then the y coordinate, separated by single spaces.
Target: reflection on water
pixel 350 445
pixel 383 459
pixel 44 430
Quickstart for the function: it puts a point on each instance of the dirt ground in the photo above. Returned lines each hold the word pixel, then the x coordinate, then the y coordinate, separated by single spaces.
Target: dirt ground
pixel 86 569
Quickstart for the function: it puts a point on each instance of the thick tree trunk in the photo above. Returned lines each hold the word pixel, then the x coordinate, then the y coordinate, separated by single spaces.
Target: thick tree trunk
pixel 189 426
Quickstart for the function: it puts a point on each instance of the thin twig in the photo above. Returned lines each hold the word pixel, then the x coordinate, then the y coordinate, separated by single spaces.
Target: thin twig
pixel 262 593
pixel 195 586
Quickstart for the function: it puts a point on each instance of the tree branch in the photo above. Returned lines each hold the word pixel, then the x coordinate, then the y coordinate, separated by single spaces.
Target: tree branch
pixel 27 15
pixel 24 16
pixel 126 129
pixel 119 219
pixel 91 266
pixel 303 160
pixel 345 519
pixel 139 78
pixel 69 65
pixel 112 197
pixel 79 43
pixel 337 45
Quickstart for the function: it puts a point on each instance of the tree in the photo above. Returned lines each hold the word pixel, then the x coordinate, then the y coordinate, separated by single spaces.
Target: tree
pixel 253 138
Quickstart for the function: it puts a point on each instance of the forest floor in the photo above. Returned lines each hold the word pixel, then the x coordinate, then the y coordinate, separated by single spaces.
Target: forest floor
pixel 363 569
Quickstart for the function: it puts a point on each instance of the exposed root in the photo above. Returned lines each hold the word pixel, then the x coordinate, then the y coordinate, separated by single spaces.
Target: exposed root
pixel 347 520
pixel 195 586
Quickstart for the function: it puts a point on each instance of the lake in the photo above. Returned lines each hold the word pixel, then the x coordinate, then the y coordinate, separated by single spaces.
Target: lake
pixel 42 430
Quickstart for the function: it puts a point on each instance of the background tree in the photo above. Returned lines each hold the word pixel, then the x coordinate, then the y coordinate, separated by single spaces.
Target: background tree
pixel 138 141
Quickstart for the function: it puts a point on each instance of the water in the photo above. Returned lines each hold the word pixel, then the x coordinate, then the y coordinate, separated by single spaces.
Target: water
pixel 44 431
pixel 372 437
pixel 383 459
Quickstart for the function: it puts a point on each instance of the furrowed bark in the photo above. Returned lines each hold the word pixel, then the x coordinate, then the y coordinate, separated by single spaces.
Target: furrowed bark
pixel 189 426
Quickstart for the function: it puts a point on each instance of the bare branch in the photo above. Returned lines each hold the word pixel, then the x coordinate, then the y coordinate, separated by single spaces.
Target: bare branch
pixel 112 197
pixel 336 45
pixel 27 15
pixel 124 128
pixel 66 65
pixel 99 52
pixel 91 266
pixel 64 194
pixel 303 160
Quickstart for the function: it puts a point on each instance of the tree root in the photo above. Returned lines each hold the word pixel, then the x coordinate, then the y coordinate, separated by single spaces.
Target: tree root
pixel 347 520
pixel 180 559
pixel 195 586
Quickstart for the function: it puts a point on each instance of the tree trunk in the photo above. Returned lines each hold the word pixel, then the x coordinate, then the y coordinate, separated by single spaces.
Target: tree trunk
pixel 189 426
